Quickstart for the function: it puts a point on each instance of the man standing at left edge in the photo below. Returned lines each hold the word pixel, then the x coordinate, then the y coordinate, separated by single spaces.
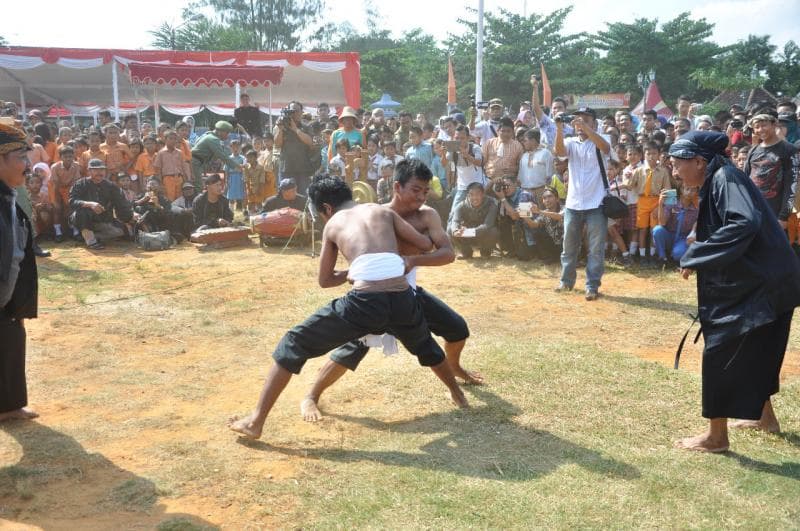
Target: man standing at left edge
pixel 18 278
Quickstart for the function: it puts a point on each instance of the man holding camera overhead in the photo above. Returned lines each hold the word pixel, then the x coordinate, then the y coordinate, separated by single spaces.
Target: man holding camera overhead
pixel 295 144
pixel 585 154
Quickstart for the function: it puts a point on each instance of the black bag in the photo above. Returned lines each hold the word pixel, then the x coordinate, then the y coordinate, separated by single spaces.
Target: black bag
pixel 613 207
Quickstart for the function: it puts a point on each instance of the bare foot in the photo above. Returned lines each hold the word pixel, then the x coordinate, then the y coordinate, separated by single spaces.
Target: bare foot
pixel 459 399
pixel 762 425
pixel 244 426
pixel 703 443
pixel 22 413
pixel 469 377
pixel 309 410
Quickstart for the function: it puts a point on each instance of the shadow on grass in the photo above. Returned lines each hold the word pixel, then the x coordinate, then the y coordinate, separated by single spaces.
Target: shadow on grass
pixel 790 437
pixel 483 442
pixel 653 304
pixel 787 469
pixel 69 485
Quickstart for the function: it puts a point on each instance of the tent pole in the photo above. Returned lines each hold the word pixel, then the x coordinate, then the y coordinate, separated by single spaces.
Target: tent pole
pixel 22 102
pixel 270 107
pixel 115 85
pixel 156 112
pixel 237 95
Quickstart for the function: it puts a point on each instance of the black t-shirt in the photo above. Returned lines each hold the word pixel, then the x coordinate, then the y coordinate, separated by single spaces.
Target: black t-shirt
pixel 295 155
pixel 773 170
pixel 276 202
pixel 250 118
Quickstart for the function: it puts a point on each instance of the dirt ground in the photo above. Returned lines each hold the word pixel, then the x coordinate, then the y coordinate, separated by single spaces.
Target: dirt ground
pixel 141 387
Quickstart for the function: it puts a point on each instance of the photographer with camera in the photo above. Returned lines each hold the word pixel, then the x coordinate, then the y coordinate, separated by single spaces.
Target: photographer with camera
pixel 466 160
pixel 295 144
pixel 474 223
pixel 513 241
pixel 487 129
pixel 585 195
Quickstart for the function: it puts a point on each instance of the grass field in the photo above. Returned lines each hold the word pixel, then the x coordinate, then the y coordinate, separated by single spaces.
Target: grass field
pixel 574 427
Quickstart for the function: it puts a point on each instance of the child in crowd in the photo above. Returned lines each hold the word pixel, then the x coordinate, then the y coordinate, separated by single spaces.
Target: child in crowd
pixel 375 159
pixel 170 167
pixel 124 183
pixel 269 161
pixel 234 180
pixel 741 157
pixel 254 181
pixel 390 152
pixel 614 175
pixel 94 152
pixel 337 165
pixel 118 155
pixel 418 149
pixel 81 146
pixel 40 199
pixel 647 181
pixel 560 180
pixel 64 137
pixel 63 175
pixel 384 187
pixel 144 162
pixel 440 167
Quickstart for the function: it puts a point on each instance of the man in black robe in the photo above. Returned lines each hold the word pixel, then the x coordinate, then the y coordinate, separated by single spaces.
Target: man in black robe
pixel 748 283
pixel 18 278
pixel 287 196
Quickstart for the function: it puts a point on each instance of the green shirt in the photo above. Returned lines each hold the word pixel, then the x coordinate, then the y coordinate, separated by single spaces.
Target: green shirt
pixel 210 147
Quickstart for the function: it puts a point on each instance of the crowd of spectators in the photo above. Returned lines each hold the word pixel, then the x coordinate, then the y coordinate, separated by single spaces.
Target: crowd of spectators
pixel 520 181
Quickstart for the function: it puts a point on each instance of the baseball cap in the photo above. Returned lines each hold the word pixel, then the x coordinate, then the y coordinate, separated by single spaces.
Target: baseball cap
pixel 495 102
pixel 96 164
pixel 587 111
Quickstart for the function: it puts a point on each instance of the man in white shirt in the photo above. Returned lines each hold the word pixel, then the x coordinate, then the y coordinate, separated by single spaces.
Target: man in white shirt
pixel 488 129
pixel 536 167
pixel 584 199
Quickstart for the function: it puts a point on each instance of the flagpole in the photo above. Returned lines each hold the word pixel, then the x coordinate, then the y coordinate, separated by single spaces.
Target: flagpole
pixel 479 56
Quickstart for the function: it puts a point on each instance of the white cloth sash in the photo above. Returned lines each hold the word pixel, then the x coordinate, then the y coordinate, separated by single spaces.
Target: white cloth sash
pixel 376 266
pixel 387 342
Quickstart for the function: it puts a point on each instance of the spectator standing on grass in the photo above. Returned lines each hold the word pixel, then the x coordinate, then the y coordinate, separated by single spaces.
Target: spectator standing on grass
pixel 585 194
pixel 536 166
pixel 748 284
pixel 18 276
pixel 647 182
pixel 501 154
pixel 467 163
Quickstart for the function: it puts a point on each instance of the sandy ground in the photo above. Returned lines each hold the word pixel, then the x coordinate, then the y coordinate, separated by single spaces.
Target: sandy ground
pixel 131 388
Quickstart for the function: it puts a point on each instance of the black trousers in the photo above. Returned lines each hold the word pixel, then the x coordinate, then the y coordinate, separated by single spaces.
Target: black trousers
pixel 355 315
pixel 442 320
pixel 13 390
pixel 741 374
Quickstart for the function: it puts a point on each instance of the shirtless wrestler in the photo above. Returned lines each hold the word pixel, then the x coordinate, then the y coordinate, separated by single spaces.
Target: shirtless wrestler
pixel 411 183
pixel 381 299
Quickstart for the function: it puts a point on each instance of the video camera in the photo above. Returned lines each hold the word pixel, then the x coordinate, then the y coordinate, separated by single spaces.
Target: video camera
pixel 477 104
pixel 565 118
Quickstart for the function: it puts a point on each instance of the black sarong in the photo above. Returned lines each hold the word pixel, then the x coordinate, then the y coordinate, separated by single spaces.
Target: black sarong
pixel 355 315
pixel 13 390
pixel 442 320
pixel 741 374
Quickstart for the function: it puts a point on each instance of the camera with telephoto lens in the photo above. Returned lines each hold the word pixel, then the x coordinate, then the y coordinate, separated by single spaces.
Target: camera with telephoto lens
pixel 737 124
pixel 564 118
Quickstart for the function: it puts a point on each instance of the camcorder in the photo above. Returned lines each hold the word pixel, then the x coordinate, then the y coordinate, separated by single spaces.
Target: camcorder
pixel 564 118
pixel 453 146
pixel 737 124
pixel 477 104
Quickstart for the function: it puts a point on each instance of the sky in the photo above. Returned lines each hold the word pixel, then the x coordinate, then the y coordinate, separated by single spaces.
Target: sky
pixel 91 24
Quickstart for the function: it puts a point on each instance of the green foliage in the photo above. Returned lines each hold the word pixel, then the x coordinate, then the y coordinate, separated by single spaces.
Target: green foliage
pixel 674 51
pixel 732 68
pixel 3 41
pixel 200 33
pixel 784 72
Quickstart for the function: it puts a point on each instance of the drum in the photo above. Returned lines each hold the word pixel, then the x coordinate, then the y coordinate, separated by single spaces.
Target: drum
pixel 281 223
pixel 221 235
pixel 364 193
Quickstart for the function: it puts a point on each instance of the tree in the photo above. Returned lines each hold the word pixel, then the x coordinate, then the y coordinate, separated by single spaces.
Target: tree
pixel 732 69
pixel 676 50
pixel 199 33
pixel 272 25
pixel 513 47
pixel 784 72
pixel 3 41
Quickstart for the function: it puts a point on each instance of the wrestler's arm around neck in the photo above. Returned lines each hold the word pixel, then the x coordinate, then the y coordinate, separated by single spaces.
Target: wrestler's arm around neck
pixel 443 253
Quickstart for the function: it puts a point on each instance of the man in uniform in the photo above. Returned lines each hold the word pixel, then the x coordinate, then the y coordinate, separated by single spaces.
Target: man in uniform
pixel 210 146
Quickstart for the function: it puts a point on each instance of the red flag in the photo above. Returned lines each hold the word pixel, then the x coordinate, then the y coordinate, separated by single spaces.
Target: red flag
pixel 547 94
pixel 451 83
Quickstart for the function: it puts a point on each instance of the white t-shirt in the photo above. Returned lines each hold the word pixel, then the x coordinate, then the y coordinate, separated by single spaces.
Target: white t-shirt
pixel 586 190
pixel 466 173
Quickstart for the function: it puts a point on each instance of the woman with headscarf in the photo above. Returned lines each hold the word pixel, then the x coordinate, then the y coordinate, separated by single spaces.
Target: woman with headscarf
pixel 748 283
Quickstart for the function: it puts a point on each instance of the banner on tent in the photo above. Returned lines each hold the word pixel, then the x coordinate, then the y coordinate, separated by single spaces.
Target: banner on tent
pixel 599 101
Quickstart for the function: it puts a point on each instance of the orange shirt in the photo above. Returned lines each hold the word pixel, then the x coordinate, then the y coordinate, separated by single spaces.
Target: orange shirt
pixel 117 156
pixel 88 155
pixel 168 162
pixel 186 150
pixel 144 165
pixel 64 177
pixel 50 148
pixel 37 154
